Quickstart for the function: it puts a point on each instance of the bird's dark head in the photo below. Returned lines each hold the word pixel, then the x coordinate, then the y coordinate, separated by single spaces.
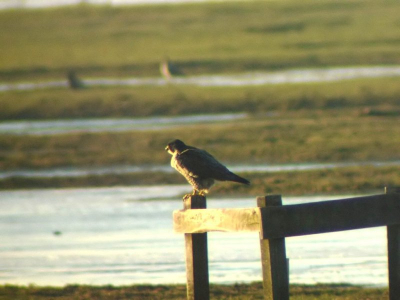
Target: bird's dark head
pixel 176 146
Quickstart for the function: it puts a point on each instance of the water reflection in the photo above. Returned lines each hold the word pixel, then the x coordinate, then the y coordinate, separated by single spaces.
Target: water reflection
pixel 246 79
pixel 123 235
pixel 109 124
pixel 126 169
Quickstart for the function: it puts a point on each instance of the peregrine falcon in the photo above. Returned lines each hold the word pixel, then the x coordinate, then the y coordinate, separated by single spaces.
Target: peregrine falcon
pixel 199 167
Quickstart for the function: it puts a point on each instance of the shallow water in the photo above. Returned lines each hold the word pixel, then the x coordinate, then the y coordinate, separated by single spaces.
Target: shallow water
pixel 245 79
pixel 109 124
pixel 129 169
pixel 121 235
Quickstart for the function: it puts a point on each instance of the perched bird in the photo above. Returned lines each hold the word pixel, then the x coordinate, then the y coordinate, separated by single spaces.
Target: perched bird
pixel 199 167
pixel 168 69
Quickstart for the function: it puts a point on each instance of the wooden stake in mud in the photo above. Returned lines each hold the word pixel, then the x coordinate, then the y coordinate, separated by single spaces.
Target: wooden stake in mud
pixel 393 238
pixel 198 287
pixel 273 258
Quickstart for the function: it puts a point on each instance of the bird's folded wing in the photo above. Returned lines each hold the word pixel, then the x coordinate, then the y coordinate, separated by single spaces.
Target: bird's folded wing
pixel 200 163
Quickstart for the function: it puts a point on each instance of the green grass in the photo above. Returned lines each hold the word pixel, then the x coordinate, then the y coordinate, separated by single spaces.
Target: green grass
pixel 201 38
pixel 354 120
pixel 250 291
pixel 328 122
pixel 284 138
pixel 145 101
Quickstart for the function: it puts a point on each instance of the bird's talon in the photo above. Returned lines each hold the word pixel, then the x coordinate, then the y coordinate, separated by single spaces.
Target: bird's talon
pixel 186 196
pixel 203 193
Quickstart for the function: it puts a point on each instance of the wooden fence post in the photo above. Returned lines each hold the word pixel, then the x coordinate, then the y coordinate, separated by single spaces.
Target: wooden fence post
pixel 393 239
pixel 198 287
pixel 273 258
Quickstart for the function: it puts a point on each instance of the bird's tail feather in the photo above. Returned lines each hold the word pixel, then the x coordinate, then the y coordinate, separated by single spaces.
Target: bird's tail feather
pixel 239 179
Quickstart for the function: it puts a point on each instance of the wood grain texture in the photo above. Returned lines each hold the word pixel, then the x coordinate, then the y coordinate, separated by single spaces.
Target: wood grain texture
pixel 197 279
pixel 273 259
pixel 230 220
pixel 330 216
pixel 274 222
pixel 294 220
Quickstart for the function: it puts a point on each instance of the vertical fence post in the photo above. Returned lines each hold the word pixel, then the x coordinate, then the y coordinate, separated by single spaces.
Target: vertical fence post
pixel 393 239
pixel 273 258
pixel 198 287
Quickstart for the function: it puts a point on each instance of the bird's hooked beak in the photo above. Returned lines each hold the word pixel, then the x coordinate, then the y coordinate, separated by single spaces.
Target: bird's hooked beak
pixel 168 149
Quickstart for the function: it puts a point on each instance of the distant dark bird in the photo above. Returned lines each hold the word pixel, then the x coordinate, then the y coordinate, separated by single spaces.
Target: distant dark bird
pixel 199 167
pixel 74 82
pixel 168 69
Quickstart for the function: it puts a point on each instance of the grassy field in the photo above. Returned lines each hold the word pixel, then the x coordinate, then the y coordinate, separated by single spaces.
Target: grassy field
pixel 381 94
pixel 213 38
pixel 259 140
pixel 284 138
pixel 300 124
pixel 354 120
pixel 251 291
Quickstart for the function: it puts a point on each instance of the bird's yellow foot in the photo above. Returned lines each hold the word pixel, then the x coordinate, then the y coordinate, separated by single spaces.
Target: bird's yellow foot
pixel 203 192
pixel 195 193
pixel 186 196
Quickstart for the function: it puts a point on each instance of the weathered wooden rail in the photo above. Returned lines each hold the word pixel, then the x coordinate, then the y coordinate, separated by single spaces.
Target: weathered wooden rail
pixel 275 222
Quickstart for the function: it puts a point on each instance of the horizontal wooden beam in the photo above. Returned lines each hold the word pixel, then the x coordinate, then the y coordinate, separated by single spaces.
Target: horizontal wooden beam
pixel 203 220
pixel 330 216
pixel 294 220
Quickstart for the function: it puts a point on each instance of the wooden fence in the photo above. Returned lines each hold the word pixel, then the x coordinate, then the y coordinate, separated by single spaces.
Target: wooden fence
pixel 275 222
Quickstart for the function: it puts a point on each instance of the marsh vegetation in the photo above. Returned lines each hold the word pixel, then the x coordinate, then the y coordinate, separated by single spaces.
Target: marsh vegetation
pixel 251 291
pixel 344 121
pixel 212 38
